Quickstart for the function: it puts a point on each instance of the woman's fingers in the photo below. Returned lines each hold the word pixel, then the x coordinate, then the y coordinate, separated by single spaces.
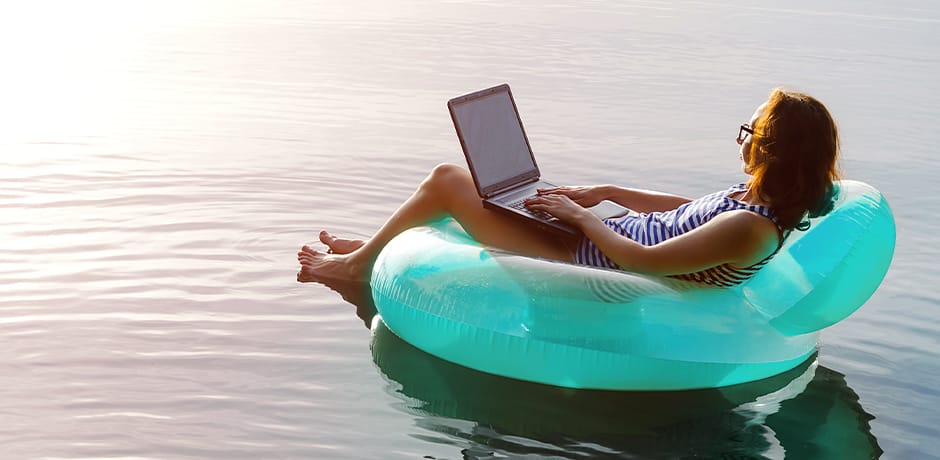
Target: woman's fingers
pixel 579 195
pixel 572 192
pixel 546 202
pixel 557 205
pixel 537 202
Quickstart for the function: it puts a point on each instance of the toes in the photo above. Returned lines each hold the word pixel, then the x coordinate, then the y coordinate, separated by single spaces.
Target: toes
pixel 305 251
pixel 307 256
pixel 303 277
pixel 326 238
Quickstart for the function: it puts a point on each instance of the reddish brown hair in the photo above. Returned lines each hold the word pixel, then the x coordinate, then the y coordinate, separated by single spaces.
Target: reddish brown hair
pixel 793 157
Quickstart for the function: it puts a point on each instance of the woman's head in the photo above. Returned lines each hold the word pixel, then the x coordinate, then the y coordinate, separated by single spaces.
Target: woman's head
pixel 792 155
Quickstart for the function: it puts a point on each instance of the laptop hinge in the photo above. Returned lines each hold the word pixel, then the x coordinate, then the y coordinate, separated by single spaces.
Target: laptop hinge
pixel 513 186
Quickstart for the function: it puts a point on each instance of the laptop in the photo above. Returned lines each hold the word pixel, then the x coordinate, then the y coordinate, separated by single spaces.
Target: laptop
pixel 501 160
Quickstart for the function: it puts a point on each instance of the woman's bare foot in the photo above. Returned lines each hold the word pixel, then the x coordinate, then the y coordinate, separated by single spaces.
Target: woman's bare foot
pixel 340 245
pixel 317 266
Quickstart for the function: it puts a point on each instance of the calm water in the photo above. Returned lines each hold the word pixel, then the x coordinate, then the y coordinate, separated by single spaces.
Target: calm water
pixel 161 161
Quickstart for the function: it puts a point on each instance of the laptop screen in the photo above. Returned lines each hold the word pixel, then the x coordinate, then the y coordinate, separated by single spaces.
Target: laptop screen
pixel 493 138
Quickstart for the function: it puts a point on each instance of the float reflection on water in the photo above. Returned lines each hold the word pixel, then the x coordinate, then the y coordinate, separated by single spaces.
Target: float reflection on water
pixel 807 412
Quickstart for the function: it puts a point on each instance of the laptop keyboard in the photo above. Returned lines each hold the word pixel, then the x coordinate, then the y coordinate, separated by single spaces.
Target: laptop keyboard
pixel 520 205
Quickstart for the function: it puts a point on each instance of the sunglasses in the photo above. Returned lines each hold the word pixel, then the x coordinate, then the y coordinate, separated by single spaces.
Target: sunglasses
pixel 745 131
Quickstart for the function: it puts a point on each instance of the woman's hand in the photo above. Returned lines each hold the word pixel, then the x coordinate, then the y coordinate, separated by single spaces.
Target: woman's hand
pixel 558 205
pixel 586 196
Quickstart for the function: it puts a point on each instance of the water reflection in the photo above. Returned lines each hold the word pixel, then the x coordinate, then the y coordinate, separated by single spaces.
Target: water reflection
pixel 807 412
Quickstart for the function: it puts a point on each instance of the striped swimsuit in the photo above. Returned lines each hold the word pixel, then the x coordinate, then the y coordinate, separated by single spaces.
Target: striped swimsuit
pixel 652 228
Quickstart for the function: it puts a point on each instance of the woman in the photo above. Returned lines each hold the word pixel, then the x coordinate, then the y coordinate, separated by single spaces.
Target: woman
pixel 789 149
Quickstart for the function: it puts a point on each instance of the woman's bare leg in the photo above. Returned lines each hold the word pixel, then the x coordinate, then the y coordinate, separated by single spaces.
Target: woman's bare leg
pixel 449 189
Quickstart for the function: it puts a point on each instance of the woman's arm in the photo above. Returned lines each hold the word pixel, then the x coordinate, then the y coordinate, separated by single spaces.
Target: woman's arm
pixel 741 238
pixel 635 199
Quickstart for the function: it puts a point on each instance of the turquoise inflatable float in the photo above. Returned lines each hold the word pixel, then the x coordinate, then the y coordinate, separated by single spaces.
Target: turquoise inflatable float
pixel 584 327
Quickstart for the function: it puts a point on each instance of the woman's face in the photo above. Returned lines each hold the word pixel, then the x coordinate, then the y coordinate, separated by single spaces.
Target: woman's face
pixel 746 145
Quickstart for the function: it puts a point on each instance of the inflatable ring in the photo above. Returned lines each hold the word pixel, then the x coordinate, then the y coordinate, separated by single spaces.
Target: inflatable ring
pixel 584 327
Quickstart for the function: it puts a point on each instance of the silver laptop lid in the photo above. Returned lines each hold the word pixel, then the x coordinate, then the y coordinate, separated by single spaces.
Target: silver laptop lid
pixel 493 139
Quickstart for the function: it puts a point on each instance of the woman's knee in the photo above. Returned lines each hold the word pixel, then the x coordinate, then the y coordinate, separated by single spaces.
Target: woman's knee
pixel 449 175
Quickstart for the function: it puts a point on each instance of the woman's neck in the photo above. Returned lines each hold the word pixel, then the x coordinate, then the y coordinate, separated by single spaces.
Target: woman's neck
pixel 745 196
